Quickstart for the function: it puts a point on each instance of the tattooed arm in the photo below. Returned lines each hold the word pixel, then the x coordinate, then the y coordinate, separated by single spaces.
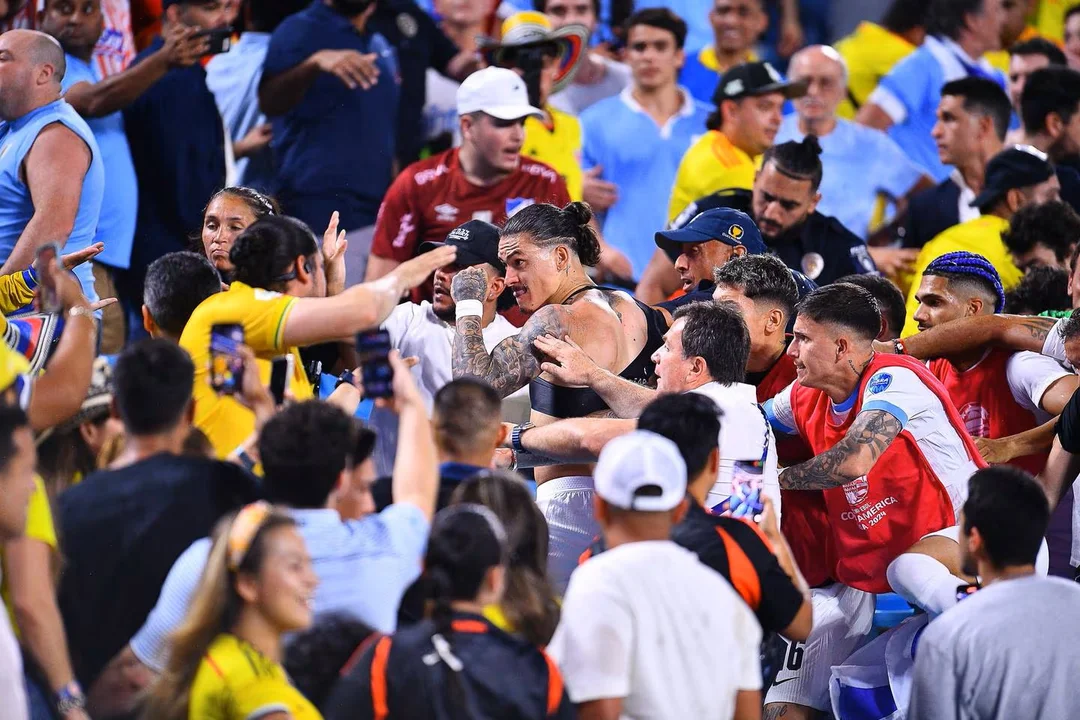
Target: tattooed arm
pixel 866 440
pixel 1012 332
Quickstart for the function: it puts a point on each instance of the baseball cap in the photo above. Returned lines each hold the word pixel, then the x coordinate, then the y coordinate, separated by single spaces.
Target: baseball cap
pixel 804 284
pixel 1017 167
pixel 756 78
pixel 497 92
pixel 726 225
pixel 641 471
pixel 477 242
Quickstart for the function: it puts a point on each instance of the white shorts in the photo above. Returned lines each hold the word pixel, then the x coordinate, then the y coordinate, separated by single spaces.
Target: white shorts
pixel 567 504
pixel 843 618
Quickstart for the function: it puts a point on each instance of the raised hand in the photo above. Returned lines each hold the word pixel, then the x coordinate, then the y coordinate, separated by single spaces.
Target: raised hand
pixel 469 283
pixel 571 366
pixel 412 273
pixel 354 69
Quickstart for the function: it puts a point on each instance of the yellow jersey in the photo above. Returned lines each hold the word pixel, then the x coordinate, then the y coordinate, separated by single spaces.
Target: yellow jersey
pixel 1000 58
pixel 236 682
pixel 263 314
pixel 980 235
pixel 1049 18
pixel 39 526
pixel 870 53
pixel 712 163
pixel 558 145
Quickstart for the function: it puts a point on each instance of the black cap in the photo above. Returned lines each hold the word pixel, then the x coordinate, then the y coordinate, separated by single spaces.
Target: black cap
pixel 1020 166
pixel 477 242
pixel 755 78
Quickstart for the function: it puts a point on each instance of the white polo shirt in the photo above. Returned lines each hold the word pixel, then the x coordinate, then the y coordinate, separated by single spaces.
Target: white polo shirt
pixel 416 331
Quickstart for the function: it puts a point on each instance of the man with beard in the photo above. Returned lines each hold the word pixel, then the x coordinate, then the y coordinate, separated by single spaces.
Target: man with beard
pixel 426 330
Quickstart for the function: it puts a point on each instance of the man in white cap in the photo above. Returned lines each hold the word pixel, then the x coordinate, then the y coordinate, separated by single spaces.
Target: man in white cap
pixel 647 630
pixel 485 179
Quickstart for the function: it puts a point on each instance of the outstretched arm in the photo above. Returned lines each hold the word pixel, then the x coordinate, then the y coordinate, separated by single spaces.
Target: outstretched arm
pixel 866 440
pixel 1013 332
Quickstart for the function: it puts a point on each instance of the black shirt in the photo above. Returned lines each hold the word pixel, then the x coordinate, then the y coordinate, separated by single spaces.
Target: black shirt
pixel 1068 425
pixel 121 531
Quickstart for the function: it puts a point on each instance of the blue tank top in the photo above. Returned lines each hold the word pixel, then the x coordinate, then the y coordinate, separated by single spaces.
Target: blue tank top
pixel 16 206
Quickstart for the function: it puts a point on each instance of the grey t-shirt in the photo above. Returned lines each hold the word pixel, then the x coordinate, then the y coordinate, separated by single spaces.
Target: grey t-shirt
pixel 1012 650
pixel 576 97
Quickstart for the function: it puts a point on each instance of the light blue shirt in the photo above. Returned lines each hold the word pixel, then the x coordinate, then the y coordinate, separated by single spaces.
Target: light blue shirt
pixel 16 205
pixel 695 13
pixel 364 567
pixel 858 163
pixel 642 159
pixel 910 93
pixel 120 202
pixel 234 78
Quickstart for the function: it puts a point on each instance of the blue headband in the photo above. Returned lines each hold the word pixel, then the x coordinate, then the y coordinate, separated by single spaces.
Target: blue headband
pixel 972 265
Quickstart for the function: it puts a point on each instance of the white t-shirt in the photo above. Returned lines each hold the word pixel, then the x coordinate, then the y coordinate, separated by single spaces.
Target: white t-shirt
pixel 1030 375
pixel 416 331
pixel 745 434
pixel 1054 345
pixel 12 684
pixel 649 623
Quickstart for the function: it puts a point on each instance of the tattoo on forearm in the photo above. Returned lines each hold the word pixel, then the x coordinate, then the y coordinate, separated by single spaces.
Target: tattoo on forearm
pixel 1039 327
pixel 872 432
pixel 514 361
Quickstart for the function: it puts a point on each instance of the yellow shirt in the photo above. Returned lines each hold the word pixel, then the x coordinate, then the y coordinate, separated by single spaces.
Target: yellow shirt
pixel 236 682
pixel 1000 58
pixel 707 57
pixel 711 164
pixel 558 146
pixel 262 313
pixel 39 526
pixel 1049 18
pixel 870 53
pixel 981 235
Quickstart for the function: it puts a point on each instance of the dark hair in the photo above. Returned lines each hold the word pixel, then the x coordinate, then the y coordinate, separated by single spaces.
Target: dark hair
pixel 1049 90
pixel 904 15
pixel 1011 512
pixel 717 333
pixel 799 160
pixel 261 205
pixel 463 410
pixel 1039 46
pixel 662 18
pixel 176 284
pixel 263 255
pixel 889 299
pixel 315 657
pixel 305 448
pixel 761 277
pixel 1053 224
pixel 266 16
pixel 541 6
pixel 983 97
pixel 1071 327
pixel 971 268
pixel 949 17
pixel 691 421
pixel 152 383
pixel 846 305
pixel 1042 288
pixel 12 418
pixel 530 604
pixel 549 226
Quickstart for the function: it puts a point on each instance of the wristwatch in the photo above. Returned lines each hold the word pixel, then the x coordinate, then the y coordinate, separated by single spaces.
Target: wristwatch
pixel 898 346
pixel 70 697
pixel 515 436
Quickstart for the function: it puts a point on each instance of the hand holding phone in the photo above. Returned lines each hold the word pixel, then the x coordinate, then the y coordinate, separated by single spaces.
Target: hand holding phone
pixel 219 40
pixel 373 350
pixel 226 362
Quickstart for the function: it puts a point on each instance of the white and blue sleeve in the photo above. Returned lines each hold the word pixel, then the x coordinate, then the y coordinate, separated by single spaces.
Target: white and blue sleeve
pixel 778 411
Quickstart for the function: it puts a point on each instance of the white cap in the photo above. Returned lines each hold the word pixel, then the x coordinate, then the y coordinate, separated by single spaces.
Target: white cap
pixel 637 460
pixel 497 92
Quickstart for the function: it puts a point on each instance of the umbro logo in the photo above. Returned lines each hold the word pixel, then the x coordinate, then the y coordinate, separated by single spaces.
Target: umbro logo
pixel 445 212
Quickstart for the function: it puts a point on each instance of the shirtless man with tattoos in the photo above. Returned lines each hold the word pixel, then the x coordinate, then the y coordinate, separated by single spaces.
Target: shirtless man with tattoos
pixel 546 251
pixel 867 417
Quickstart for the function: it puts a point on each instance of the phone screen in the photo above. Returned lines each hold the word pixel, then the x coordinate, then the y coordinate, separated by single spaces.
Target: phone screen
pixel 280 370
pixel 226 365
pixel 220 40
pixel 373 349
pixel 48 299
pixel 746 486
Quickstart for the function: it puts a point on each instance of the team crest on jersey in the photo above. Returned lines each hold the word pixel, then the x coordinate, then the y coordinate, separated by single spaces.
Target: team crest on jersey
pixel 856 490
pixel 976 420
pixel 879 383
pixel 514 205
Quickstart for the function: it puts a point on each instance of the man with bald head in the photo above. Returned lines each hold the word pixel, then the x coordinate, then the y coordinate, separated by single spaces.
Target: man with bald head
pixel 51 175
pixel 860 163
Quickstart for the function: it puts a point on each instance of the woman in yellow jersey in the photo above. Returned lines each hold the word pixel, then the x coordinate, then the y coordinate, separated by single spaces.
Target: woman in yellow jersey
pixel 529 606
pixel 230 211
pixel 225 659
pixel 278 295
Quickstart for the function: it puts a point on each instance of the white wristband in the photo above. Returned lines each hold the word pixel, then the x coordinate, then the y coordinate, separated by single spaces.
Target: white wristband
pixel 466 308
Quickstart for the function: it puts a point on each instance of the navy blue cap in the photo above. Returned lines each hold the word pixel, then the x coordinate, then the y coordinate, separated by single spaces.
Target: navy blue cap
pixel 725 225
pixel 803 283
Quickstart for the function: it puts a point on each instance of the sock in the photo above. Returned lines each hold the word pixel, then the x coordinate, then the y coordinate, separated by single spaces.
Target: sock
pixel 924 582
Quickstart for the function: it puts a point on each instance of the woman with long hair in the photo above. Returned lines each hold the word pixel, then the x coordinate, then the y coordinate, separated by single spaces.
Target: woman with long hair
pixel 529 606
pixel 456 663
pixel 230 212
pixel 225 659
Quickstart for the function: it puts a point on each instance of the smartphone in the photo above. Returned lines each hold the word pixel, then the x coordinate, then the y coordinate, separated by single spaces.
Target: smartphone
pixel 963 592
pixel 226 364
pixel 373 349
pixel 220 40
pixel 48 298
pixel 746 487
pixel 281 369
